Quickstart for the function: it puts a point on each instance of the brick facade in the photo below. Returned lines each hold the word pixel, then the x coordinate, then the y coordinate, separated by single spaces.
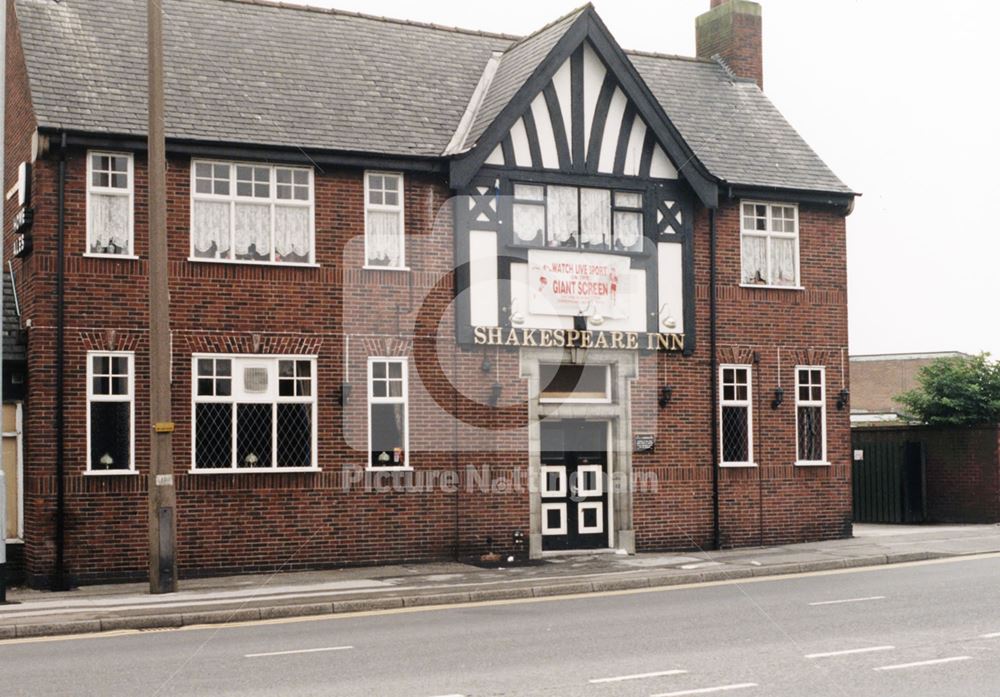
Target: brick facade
pixel 343 314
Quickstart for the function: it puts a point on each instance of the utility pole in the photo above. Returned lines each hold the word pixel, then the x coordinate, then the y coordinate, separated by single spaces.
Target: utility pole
pixel 162 495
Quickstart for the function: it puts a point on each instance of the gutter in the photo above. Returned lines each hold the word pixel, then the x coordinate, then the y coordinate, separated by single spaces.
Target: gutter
pixel 59 581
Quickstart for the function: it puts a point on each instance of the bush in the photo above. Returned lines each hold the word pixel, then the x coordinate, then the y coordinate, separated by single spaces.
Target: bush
pixel 956 391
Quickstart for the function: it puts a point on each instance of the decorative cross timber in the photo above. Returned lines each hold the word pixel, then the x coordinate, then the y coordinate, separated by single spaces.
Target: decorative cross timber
pixel 669 218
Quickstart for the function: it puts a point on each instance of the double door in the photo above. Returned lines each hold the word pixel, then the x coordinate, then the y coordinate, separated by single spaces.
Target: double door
pixel 574 484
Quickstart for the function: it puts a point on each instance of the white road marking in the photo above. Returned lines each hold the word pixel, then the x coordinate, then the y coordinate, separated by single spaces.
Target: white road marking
pixel 637 676
pixel 847 652
pixel 849 600
pixel 707 690
pixel 994 635
pixel 288 653
pixel 936 661
pixel 449 695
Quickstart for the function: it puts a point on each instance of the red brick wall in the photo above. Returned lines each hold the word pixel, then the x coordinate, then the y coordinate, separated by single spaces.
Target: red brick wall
pixel 963 474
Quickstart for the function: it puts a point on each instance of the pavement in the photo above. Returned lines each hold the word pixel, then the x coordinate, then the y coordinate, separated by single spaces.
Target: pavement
pixel 219 600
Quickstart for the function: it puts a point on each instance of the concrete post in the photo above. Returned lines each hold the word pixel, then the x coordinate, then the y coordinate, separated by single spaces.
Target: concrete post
pixel 3 537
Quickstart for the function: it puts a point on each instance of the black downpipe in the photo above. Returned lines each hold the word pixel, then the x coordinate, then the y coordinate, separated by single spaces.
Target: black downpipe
pixel 713 378
pixel 59 580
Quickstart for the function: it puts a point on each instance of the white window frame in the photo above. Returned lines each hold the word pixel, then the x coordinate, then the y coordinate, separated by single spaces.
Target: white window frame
pixel 107 190
pixel 747 403
pixel 821 403
pixel 606 399
pixel 400 209
pixel 767 235
pixel 91 398
pixel 17 536
pixel 404 400
pixel 272 201
pixel 270 397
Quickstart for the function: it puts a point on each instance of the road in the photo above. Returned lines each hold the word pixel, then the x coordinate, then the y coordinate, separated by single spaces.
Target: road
pixel 920 629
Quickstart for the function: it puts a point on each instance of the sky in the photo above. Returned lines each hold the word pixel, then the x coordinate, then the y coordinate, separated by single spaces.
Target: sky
pixel 899 97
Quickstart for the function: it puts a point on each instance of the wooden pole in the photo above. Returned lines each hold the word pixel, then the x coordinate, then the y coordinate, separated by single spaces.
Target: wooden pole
pixel 162 497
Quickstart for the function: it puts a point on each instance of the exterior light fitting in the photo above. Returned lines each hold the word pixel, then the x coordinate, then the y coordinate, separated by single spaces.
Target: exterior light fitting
pixel 666 394
pixel 843 398
pixel 779 397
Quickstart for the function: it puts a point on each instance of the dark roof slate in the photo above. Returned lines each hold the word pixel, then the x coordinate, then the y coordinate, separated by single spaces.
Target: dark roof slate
pixel 245 71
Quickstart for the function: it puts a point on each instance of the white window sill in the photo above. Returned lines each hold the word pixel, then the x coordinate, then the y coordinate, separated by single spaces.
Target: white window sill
pixel 109 473
pixel 15 541
pixel 94 255
pixel 250 262
pixel 811 463
pixel 737 465
pixel 770 287
pixel 252 470
pixel 366 267
pixel 401 468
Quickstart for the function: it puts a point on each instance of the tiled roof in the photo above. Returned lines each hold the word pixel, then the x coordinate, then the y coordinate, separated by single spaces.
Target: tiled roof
pixel 246 71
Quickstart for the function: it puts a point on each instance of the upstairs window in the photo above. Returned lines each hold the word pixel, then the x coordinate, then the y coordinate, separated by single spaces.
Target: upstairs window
pixel 254 412
pixel 251 213
pixel 110 411
pixel 388 428
pixel 810 414
pixel 109 203
pixel 769 235
pixel 577 218
pixel 735 415
pixel 384 237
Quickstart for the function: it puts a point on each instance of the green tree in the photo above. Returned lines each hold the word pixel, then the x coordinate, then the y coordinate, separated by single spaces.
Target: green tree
pixel 956 391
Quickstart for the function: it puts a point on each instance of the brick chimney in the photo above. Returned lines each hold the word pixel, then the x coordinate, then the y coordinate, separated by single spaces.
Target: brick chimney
pixel 732 29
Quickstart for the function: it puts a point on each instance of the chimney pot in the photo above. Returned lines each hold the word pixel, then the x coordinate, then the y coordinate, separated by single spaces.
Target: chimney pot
pixel 733 31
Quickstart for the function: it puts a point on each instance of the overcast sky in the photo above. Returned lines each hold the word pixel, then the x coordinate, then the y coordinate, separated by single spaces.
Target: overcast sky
pixel 899 97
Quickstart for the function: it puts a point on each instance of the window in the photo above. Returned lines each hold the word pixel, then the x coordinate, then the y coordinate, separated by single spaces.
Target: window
pixel 770 244
pixel 109 203
pixel 110 411
pixel 251 213
pixel 384 237
pixel 735 415
pixel 577 218
pixel 388 430
pixel 254 412
pixel 574 383
pixel 810 414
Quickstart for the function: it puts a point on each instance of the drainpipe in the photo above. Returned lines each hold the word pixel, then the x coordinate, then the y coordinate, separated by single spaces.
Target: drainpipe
pixel 59 580
pixel 713 378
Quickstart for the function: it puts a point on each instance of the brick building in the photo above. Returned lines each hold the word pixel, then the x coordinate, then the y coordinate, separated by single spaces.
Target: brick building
pixel 430 289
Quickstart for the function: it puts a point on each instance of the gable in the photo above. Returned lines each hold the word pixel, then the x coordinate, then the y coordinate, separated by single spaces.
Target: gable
pixel 582 121
pixel 568 99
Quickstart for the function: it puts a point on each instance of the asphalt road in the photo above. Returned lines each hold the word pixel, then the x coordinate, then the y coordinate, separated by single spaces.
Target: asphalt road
pixel 907 630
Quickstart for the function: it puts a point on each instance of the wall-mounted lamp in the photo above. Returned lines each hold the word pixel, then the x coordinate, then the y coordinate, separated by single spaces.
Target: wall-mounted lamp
pixel 666 394
pixel 843 398
pixel 487 365
pixel 345 393
pixel 779 397
pixel 495 391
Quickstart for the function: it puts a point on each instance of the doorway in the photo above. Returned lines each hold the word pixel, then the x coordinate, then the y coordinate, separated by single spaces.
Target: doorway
pixel 574 484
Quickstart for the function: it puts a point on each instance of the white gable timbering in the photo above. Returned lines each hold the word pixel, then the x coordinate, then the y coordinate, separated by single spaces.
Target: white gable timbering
pixel 622 145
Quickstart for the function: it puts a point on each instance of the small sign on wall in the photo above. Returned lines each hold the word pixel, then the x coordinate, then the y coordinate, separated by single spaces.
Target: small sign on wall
pixel 644 443
pixel 859 455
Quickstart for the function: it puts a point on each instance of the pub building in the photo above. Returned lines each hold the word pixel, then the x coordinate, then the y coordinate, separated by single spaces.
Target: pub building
pixel 433 292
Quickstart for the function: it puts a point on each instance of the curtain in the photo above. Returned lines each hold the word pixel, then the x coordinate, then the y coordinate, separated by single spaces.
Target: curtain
pixel 595 214
pixel 755 259
pixel 253 230
pixel 210 231
pixel 628 230
pixel 783 261
pixel 109 224
pixel 529 222
pixel 384 238
pixel 563 215
pixel 291 233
